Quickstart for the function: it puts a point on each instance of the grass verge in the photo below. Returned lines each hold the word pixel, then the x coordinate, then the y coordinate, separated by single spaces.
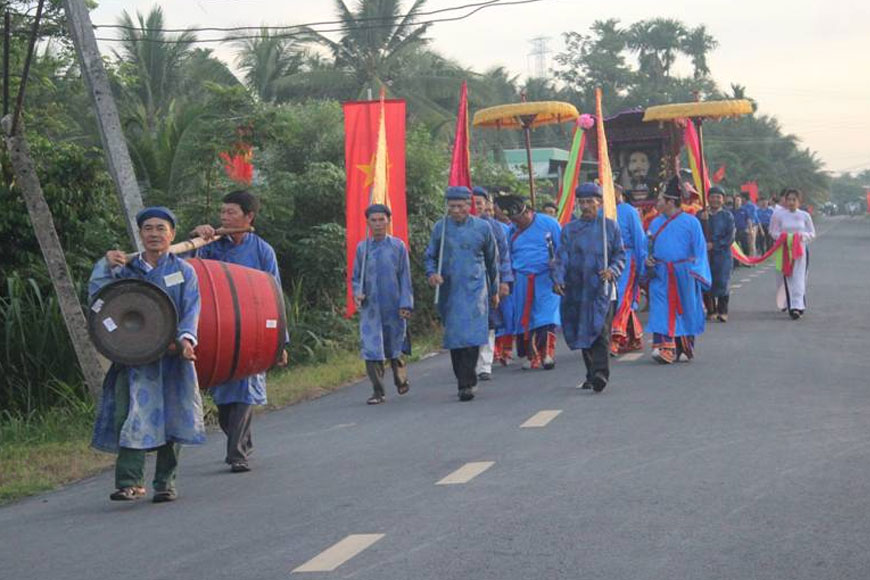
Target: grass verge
pixel 42 452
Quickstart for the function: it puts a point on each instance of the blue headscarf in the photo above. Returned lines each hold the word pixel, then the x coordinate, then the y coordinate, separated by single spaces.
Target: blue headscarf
pixel 455 192
pixel 378 208
pixel 588 189
pixel 157 211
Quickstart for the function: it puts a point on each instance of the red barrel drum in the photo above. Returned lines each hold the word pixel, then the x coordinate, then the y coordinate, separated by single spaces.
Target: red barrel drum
pixel 242 325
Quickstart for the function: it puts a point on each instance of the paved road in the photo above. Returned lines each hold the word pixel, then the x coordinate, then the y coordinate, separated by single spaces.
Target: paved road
pixel 753 462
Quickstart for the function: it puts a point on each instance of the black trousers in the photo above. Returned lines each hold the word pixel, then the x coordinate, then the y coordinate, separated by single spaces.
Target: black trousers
pixel 742 237
pixel 721 304
pixel 235 421
pixel 597 357
pixel 465 365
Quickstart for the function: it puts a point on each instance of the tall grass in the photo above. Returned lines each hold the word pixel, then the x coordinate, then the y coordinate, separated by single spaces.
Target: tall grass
pixel 38 367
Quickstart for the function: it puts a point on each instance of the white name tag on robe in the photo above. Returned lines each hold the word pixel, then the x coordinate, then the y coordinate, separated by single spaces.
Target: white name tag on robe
pixel 173 279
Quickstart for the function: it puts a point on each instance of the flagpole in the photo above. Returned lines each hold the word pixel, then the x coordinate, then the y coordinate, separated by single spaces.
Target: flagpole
pixel 604 245
pixel 441 256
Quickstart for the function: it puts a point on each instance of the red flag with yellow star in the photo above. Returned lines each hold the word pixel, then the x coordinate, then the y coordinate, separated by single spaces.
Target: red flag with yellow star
pixel 374 157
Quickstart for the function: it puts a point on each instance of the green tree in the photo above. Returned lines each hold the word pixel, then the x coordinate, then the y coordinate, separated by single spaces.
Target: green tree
pixel 269 62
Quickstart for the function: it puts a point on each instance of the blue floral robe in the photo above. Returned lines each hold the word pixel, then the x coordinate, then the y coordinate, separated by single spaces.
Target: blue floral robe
pixel 470 272
pixel 721 262
pixel 387 289
pixel 165 404
pixel 530 256
pixel 579 260
pixel 253 252
pixel 680 251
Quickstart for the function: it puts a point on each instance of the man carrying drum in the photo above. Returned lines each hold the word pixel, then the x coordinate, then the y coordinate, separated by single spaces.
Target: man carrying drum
pixel 155 406
pixel 235 399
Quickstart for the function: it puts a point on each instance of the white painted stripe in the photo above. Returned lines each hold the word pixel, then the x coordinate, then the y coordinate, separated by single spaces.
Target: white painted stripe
pixel 540 419
pixel 631 356
pixel 466 473
pixel 733 286
pixel 333 557
pixel 744 280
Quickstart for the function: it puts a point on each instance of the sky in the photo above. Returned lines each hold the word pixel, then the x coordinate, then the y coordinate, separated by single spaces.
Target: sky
pixel 801 60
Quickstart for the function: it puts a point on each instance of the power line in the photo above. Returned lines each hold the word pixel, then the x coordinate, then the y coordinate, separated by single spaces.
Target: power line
pixel 474 9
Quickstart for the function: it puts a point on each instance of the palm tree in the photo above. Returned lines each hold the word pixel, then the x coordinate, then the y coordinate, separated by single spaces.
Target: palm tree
pixel 268 62
pixel 656 43
pixel 697 44
pixel 376 37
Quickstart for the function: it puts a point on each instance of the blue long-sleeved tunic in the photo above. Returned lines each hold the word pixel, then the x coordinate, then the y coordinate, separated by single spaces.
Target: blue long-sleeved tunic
pixel 530 256
pixel 721 237
pixel 470 272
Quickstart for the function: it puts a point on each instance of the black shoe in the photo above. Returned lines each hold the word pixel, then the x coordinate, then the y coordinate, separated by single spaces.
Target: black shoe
pixel 465 394
pixel 165 496
pixel 598 384
pixel 794 314
pixel 484 376
pixel 240 467
pixel 585 385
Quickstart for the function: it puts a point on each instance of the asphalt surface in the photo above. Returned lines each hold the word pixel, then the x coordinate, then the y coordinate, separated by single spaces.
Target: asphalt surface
pixel 752 462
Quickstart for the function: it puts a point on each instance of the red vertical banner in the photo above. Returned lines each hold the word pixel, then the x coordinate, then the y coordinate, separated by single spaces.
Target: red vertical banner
pixel 460 164
pixel 362 120
pixel 867 191
pixel 751 188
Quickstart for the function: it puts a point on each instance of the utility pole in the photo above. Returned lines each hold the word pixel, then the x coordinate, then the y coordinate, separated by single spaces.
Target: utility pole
pixel 539 53
pixel 120 166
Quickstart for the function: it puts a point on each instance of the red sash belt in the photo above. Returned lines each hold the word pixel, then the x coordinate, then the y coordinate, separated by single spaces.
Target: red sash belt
pixel 675 305
pixel 525 321
pixel 621 318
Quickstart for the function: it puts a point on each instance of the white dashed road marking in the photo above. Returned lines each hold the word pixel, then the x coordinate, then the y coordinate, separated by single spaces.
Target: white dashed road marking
pixel 540 419
pixel 466 473
pixel 333 557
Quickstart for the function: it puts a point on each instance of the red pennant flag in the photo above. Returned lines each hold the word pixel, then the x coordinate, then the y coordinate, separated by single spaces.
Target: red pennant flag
pixel 751 187
pixel 460 162
pixel 719 175
pixel 374 157
pixel 237 164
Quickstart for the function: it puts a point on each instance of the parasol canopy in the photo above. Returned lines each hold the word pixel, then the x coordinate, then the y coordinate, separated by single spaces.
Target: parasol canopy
pixel 703 109
pixel 525 115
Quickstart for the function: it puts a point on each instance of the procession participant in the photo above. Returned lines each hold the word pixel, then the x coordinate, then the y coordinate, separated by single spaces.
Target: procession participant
pixel 385 300
pixel 504 332
pixel 468 281
pixel 679 272
pixel 587 284
pixel 627 331
pixel 534 240
pixel 155 406
pixel 754 222
pixel 551 209
pixel 791 290
pixel 764 240
pixel 483 205
pixel 742 222
pixel 721 229
pixel 235 400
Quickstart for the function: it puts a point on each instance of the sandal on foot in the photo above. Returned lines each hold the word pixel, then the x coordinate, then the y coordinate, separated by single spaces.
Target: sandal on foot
pixel 402 389
pixel 128 493
pixel 375 400
pixel 165 496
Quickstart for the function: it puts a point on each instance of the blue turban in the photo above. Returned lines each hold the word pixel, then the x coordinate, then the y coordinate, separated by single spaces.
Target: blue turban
pixel 480 192
pixel 588 189
pixel 378 208
pixel 161 212
pixel 457 192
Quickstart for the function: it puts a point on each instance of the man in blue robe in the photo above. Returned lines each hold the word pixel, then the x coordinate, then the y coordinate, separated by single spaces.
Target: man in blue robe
pixel 462 260
pixel 483 206
pixel 382 293
pixel 586 283
pixel 627 331
pixel 678 273
pixel 235 400
pixel 533 240
pixel 765 212
pixel 156 406
pixel 742 223
pixel 721 230
pixel 504 333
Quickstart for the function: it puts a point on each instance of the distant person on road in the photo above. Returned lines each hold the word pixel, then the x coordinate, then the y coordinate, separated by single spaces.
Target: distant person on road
pixel 483 206
pixel 721 228
pixel 627 331
pixel 383 294
pixel 587 284
pixel 742 223
pixel 551 209
pixel 679 273
pixel 792 287
pixel 468 281
pixel 533 239
pixel 156 406
pixel 236 399
pixel 754 222
pixel 765 213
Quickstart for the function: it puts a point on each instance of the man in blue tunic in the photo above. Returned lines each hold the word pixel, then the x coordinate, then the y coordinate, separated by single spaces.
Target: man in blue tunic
pixel 587 284
pixel 765 212
pixel 742 223
pixel 721 229
pixel 627 331
pixel 464 248
pixel 382 293
pixel 533 241
pixel 155 406
pixel 483 205
pixel 235 399
pixel 679 273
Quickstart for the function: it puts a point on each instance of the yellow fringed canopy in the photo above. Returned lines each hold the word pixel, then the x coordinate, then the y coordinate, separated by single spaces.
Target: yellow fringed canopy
pixel 705 109
pixel 522 115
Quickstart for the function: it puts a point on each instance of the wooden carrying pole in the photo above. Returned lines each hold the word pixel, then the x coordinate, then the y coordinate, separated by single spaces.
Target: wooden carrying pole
pixel 197 243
